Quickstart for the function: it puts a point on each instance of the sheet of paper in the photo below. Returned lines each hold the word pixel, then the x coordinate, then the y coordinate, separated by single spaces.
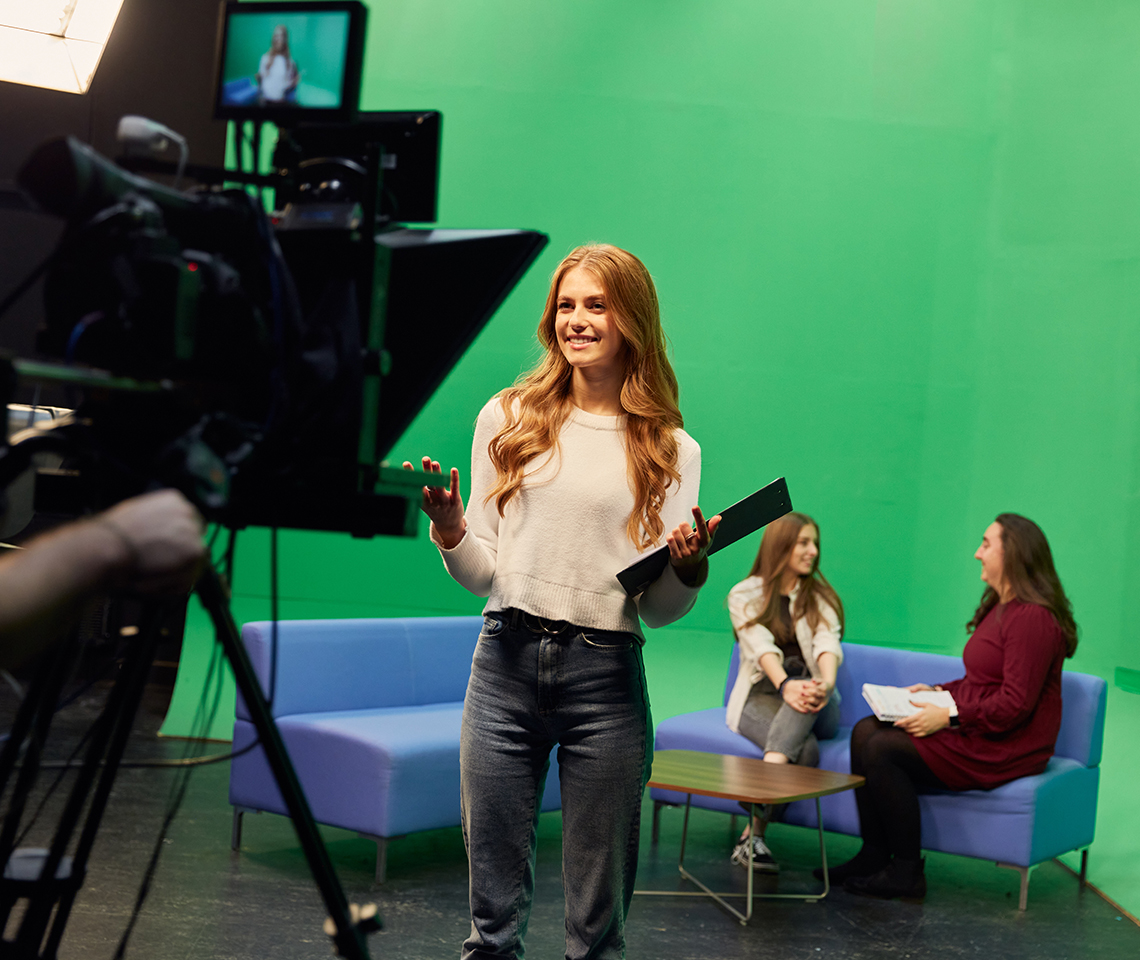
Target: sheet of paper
pixel 894 703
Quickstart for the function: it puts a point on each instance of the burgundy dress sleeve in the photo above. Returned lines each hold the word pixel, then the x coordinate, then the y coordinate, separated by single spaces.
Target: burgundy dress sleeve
pixel 952 685
pixel 1027 656
pixel 1009 702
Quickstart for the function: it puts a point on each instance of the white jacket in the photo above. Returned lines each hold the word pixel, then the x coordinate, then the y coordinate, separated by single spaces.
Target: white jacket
pixel 743 604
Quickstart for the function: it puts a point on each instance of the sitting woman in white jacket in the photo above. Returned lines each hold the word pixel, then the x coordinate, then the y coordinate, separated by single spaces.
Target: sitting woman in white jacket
pixel 788 621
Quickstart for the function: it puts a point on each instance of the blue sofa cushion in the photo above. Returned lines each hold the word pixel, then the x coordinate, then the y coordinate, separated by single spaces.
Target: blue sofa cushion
pixel 703 730
pixel 382 772
pixel 363 664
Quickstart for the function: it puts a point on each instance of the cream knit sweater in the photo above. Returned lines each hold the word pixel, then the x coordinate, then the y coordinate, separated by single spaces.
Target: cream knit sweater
pixel 558 547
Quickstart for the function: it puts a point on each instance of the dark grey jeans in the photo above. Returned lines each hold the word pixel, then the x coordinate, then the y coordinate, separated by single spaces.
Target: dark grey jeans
pixel 583 690
pixel 770 723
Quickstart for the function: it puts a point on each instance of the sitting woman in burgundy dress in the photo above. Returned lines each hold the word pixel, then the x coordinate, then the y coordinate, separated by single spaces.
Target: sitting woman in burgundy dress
pixel 1008 712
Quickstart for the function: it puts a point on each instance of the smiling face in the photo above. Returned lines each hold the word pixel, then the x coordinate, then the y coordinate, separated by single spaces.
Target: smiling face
pixel 804 551
pixel 587 333
pixel 992 555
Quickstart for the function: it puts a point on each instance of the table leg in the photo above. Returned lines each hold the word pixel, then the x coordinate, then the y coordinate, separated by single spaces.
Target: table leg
pixel 750 896
pixel 751 853
pixel 822 851
pixel 685 831
pixel 742 917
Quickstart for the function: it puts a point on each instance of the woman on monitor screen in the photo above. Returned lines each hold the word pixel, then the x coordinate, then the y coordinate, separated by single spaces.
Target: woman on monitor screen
pixel 277 74
pixel 1003 725
pixel 788 621
pixel 575 470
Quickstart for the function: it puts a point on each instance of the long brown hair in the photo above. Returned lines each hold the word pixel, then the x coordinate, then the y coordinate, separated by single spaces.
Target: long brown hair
pixel 537 406
pixel 772 560
pixel 285 46
pixel 1027 567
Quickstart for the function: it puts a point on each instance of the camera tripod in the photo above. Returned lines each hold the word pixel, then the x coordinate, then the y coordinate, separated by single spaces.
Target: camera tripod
pixel 49 879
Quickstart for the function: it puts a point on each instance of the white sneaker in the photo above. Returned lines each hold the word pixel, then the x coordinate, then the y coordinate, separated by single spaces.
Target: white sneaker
pixel 762 859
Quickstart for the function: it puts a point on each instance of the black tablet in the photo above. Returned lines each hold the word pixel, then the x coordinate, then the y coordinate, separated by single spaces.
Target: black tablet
pixel 742 518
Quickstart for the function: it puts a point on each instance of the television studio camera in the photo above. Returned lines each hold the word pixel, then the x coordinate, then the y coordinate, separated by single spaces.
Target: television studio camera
pixel 264 364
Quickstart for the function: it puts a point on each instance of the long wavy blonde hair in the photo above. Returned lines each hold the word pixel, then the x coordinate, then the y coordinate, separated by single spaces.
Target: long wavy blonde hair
pixel 537 406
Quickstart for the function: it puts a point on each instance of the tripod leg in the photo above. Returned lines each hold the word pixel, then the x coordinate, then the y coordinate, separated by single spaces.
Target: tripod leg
pixel 106 750
pixel 32 724
pixel 349 940
pixel 34 717
pixel 49 676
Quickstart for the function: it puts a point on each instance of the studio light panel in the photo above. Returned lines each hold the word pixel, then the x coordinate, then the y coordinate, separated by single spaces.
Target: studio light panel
pixel 55 44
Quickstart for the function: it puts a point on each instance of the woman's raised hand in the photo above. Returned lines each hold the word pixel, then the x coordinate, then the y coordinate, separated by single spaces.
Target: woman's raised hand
pixel 689 546
pixel 443 505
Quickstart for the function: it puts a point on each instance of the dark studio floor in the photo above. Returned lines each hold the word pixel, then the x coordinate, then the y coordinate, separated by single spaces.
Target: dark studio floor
pixel 208 903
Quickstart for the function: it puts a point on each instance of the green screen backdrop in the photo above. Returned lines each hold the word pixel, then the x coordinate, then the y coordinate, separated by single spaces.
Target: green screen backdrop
pixel 896 245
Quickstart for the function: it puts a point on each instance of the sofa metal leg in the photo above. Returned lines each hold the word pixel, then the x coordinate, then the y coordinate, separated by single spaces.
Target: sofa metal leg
pixel 1023 899
pixel 235 832
pixel 657 805
pixel 381 855
pixel 381 859
pixel 1084 875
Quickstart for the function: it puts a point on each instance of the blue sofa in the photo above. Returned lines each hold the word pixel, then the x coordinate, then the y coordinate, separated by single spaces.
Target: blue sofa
pixel 1019 825
pixel 369 711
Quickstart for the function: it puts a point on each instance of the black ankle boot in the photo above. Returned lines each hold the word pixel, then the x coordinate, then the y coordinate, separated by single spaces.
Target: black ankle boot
pixel 867 861
pixel 904 879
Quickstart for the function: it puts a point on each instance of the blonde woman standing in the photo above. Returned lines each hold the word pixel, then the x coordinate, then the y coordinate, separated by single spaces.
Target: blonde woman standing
pixel 277 72
pixel 575 470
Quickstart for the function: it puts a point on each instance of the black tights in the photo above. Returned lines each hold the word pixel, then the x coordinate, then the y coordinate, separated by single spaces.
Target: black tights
pixel 888 801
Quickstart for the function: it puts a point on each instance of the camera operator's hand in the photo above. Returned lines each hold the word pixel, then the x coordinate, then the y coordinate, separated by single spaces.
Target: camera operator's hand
pixel 150 544
pixel 160 541
pixel 444 506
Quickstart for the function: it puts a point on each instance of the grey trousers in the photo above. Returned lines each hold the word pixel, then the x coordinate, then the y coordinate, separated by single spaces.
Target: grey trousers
pixel 771 724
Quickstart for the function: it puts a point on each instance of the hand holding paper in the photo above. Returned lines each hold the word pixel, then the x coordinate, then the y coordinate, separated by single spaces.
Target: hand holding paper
pixel 899 703
pixel 929 719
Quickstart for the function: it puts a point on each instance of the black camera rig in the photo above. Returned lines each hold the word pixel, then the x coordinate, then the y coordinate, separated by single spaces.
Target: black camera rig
pixel 265 369
pixel 276 364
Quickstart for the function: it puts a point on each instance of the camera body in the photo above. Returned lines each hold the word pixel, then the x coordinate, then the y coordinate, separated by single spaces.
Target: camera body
pixel 265 371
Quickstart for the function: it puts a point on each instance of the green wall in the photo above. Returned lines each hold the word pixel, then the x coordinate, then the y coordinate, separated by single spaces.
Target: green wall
pixel 896 247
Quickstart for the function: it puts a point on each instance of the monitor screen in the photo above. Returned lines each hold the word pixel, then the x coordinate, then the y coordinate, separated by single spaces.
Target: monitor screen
pixel 410 140
pixel 279 61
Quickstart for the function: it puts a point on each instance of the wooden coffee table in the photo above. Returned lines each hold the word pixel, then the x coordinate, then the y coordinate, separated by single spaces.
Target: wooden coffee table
pixel 749 781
